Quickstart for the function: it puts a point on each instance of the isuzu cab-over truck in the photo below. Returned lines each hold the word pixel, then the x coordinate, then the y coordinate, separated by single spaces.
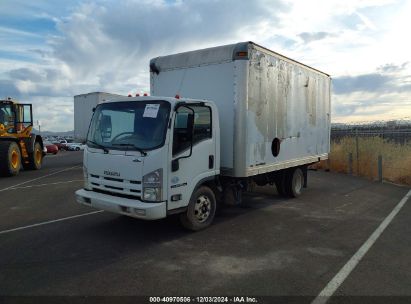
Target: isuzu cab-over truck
pixel 241 114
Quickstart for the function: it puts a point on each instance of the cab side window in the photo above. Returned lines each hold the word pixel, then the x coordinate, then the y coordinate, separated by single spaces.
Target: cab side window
pixel 202 127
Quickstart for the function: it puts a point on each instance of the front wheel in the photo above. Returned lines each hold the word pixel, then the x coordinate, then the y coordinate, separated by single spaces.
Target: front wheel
pixel 10 158
pixel 201 210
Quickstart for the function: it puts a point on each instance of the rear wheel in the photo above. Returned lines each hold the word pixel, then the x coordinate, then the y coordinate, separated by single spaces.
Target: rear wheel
pixel 294 182
pixel 10 158
pixel 201 210
pixel 36 158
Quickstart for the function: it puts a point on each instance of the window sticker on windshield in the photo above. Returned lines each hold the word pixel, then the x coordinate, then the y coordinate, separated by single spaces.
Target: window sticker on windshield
pixel 151 110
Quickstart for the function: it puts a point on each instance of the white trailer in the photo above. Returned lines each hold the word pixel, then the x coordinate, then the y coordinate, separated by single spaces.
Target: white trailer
pixel 83 110
pixel 242 115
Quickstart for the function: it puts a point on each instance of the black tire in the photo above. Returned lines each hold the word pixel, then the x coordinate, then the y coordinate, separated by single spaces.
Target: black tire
pixel 10 158
pixel 201 210
pixel 294 182
pixel 36 158
pixel 77 149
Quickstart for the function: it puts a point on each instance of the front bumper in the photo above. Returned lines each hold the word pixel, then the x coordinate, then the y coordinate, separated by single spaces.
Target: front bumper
pixel 120 205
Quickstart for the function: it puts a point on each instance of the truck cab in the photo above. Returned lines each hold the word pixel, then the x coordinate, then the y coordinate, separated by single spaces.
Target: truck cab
pixel 148 157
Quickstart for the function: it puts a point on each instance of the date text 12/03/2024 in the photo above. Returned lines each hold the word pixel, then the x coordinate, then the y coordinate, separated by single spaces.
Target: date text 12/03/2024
pixel 239 299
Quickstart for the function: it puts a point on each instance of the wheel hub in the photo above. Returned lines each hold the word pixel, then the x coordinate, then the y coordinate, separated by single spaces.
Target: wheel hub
pixel 14 159
pixel 202 208
pixel 38 156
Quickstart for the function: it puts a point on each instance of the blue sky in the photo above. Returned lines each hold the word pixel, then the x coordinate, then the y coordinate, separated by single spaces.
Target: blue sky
pixel 52 50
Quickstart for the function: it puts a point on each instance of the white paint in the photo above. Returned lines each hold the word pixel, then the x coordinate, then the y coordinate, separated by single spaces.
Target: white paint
pixel 34 179
pixel 49 184
pixel 340 277
pixel 50 222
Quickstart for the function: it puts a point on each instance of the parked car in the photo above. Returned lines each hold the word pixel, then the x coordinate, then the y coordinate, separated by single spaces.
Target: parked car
pixel 62 144
pixel 75 147
pixel 50 147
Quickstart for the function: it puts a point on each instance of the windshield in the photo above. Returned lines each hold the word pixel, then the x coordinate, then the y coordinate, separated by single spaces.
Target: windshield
pixel 131 125
pixel 6 116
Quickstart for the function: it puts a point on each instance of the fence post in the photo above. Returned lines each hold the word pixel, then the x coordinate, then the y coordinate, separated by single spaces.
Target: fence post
pixel 350 163
pixel 380 168
pixel 356 147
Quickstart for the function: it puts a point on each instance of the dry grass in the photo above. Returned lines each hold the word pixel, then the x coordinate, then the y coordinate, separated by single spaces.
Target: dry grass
pixel 396 158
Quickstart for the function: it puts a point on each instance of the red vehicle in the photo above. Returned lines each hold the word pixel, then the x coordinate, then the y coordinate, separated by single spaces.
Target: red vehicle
pixel 51 148
pixel 60 144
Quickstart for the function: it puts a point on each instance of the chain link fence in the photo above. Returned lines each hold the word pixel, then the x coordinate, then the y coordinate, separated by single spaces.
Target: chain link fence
pixel 376 152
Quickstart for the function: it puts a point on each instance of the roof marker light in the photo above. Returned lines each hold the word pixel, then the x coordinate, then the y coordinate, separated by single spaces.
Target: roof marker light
pixel 137 95
pixel 242 54
pixel 129 95
pixel 145 94
pixel 177 96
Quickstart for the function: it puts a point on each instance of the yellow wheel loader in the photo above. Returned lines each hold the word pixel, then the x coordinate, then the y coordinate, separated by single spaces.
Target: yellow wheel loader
pixel 19 147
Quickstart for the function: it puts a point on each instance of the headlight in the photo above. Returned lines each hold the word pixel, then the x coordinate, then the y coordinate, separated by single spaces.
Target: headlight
pixel 153 186
pixel 85 176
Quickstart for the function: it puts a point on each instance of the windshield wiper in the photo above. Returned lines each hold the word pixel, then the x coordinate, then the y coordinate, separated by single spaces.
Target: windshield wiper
pixel 98 145
pixel 144 153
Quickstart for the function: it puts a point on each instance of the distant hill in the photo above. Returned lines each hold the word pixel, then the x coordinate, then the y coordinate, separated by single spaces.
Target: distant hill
pixel 391 124
pixel 51 133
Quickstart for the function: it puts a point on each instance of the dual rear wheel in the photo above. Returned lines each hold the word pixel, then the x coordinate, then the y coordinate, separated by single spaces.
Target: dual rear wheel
pixel 290 183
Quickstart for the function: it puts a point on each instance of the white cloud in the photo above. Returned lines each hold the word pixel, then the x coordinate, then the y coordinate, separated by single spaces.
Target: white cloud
pixel 106 45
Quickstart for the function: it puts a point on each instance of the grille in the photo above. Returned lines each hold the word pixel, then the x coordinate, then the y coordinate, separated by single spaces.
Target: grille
pixel 115 186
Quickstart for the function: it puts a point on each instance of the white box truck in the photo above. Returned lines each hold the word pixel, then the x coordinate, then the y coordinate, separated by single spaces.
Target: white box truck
pixel 83 110
pixel 243 114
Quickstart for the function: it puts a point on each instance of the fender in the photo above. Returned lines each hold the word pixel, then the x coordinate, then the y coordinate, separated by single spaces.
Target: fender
pixel 202 181
pixel 198 185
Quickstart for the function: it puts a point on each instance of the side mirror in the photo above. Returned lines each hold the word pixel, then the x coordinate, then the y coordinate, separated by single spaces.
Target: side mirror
pixel 105 126
pixel 190 127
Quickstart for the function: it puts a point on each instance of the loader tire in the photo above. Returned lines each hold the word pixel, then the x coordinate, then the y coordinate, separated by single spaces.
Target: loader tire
pixel 36 158
pixel 201 210
pixel 10 158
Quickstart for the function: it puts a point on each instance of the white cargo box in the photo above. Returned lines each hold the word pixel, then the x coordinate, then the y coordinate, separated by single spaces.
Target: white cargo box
pixel 83 110
pixel 267 102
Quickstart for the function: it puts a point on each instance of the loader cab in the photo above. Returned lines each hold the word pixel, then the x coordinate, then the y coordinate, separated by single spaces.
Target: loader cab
pixel 14 117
